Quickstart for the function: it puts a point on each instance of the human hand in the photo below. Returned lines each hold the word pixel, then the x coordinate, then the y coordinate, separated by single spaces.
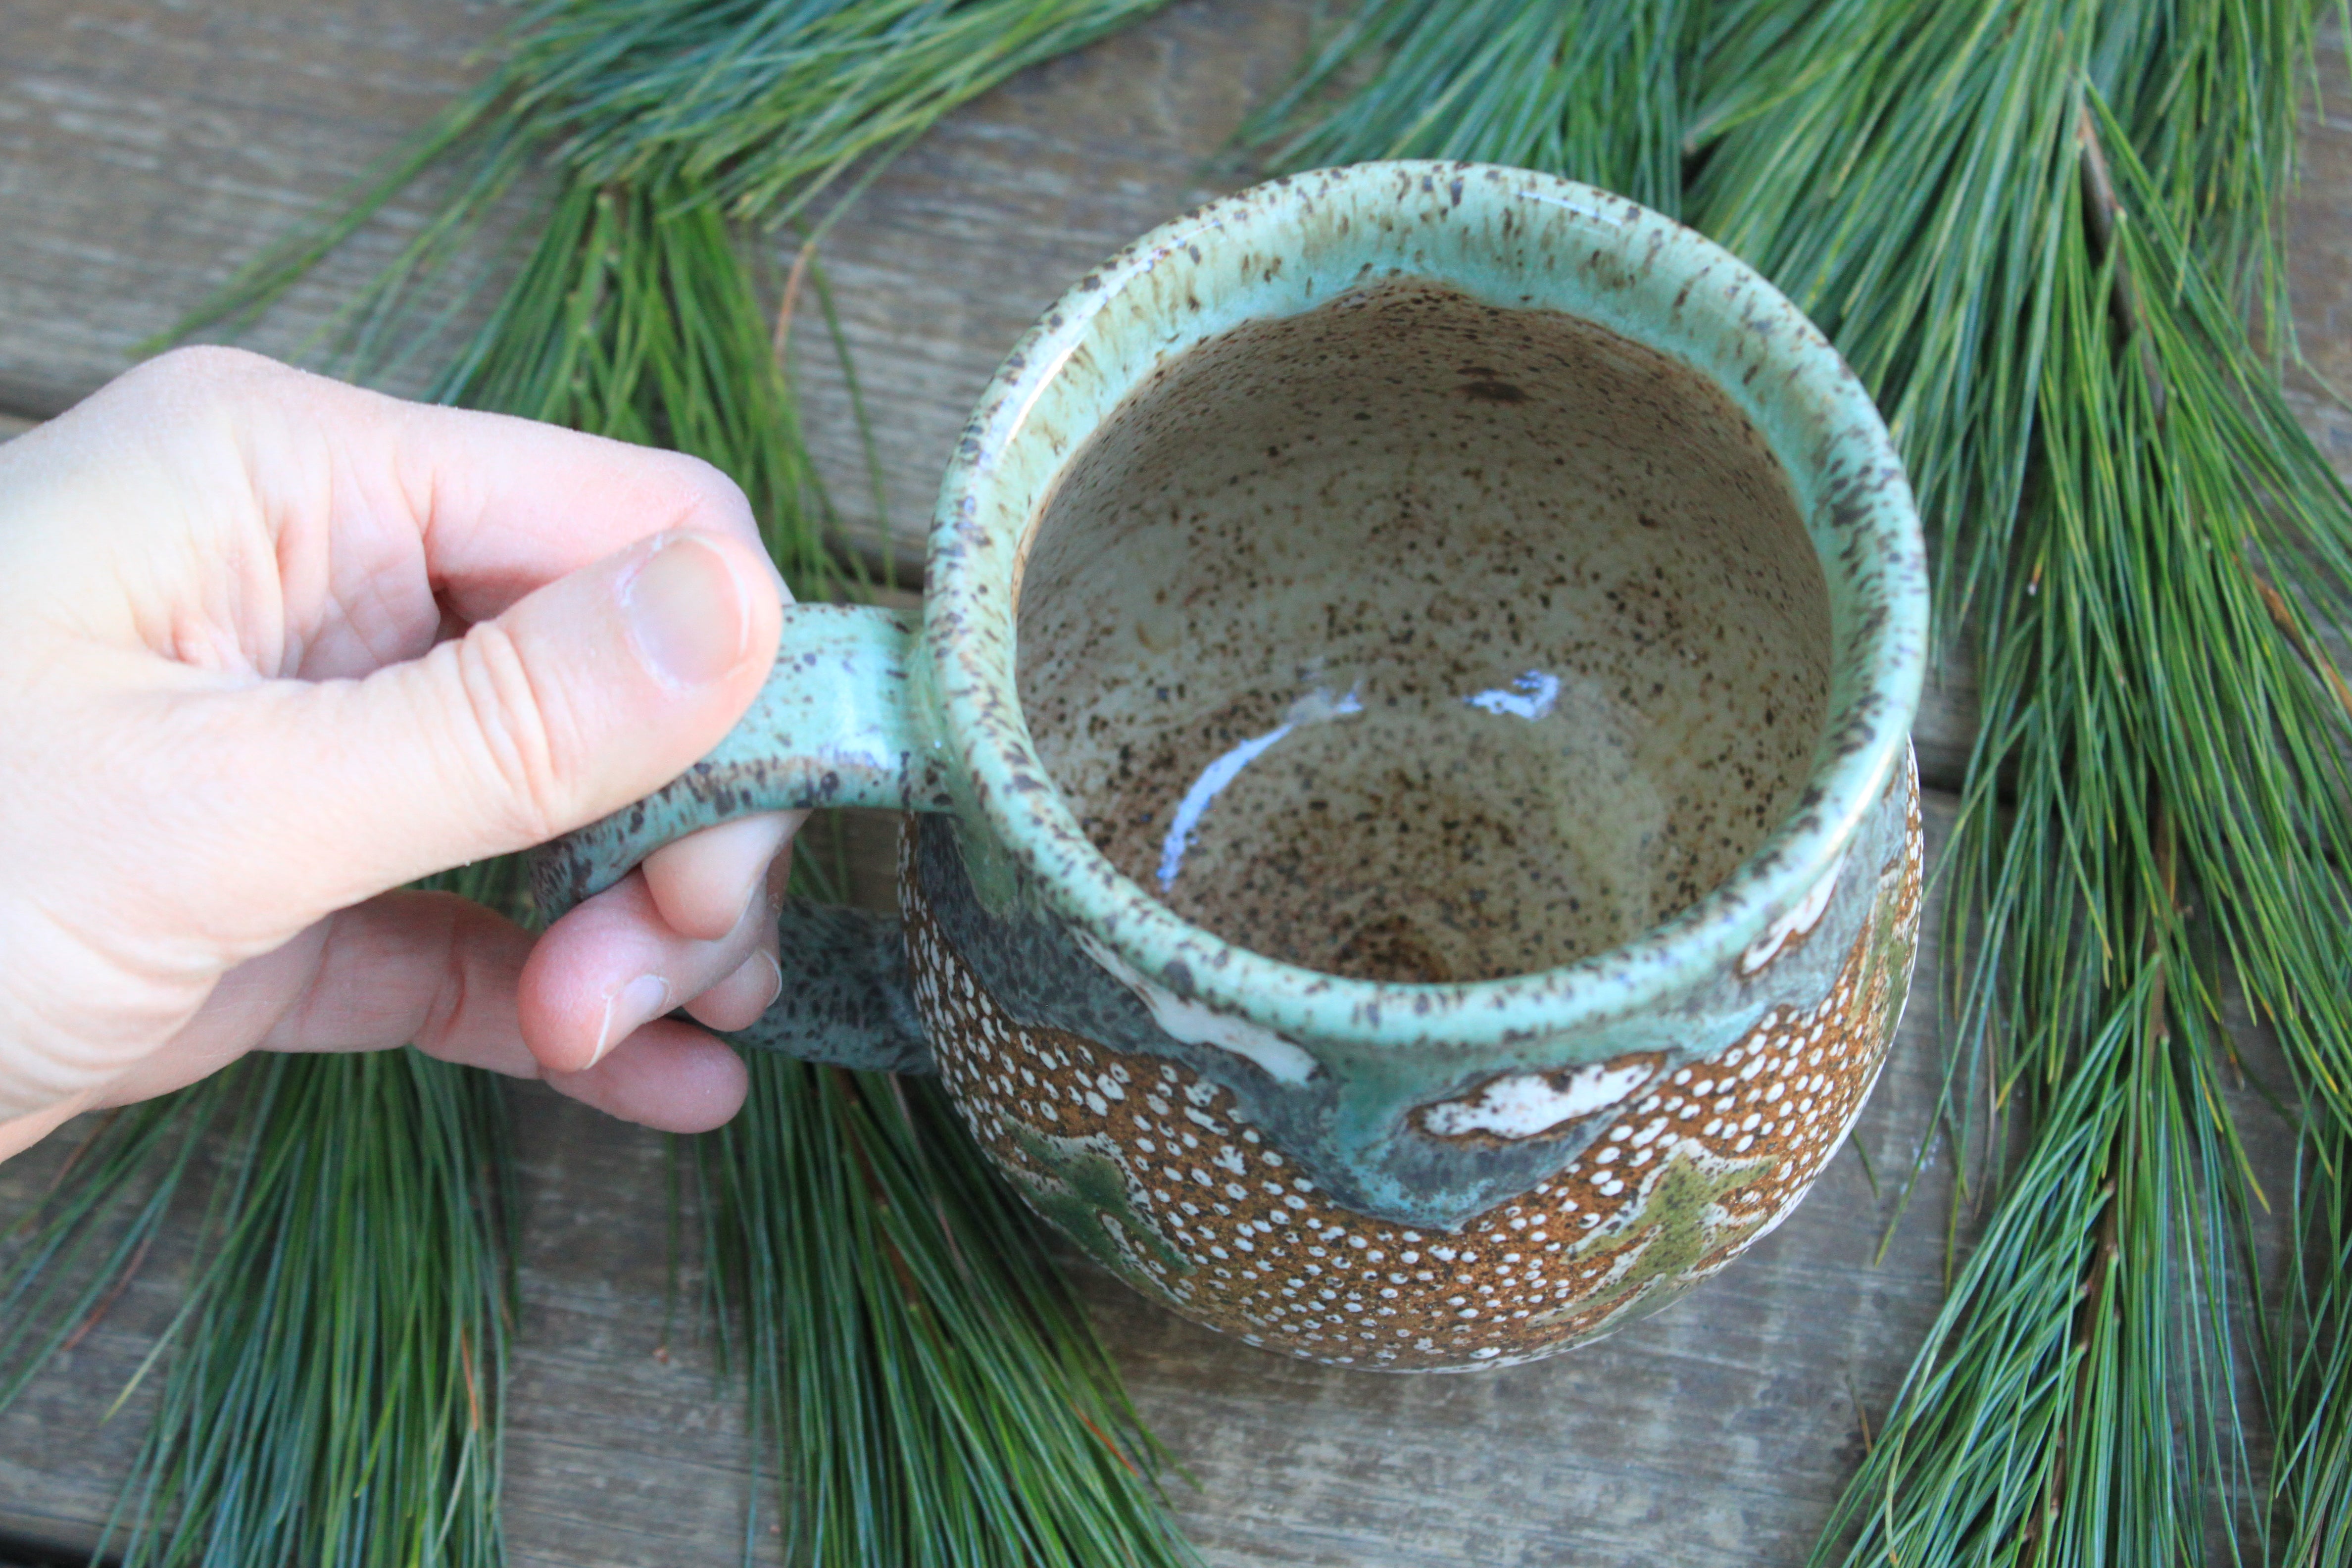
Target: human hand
pixel 271 646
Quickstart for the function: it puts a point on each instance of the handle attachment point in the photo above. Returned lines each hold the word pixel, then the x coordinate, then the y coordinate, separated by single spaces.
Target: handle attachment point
pixel 844 719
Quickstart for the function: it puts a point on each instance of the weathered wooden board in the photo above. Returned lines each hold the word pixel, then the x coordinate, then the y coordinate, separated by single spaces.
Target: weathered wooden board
pixel 147 153
pixel 1717 1432
pixel 2319 257
pixel 147 150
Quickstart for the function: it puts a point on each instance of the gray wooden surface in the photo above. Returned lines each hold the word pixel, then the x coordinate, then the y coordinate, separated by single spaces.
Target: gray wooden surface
pixel 1717 1432
pixel 147 149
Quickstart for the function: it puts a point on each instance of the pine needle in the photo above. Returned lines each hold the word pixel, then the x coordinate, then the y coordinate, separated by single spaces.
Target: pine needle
pixel 331 1386
pixel 326 1403
pixel 1596 92
pixel 761 108
pixel 2037 228
pixel 936 1392
pixel 634 318
pixel 71 1254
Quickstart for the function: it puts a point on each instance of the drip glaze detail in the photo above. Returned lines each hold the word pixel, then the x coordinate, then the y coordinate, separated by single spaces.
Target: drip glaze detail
pixel 1160 1175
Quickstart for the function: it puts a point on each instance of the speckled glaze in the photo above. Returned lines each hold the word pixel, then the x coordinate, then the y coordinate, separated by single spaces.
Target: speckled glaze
pixel 1165 1172
pixel 1381 1172
pixel 1412 637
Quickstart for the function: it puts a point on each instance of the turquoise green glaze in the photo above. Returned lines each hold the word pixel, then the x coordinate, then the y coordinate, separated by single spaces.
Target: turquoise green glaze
pixel 846 719
pixel 1334 1068
pixel 1512 238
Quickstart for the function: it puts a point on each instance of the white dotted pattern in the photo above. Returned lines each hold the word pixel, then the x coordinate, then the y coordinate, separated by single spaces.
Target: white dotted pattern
pixel 1703 1164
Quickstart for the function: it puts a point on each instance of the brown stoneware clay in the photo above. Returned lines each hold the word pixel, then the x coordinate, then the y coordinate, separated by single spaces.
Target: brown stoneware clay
pixel 1413 857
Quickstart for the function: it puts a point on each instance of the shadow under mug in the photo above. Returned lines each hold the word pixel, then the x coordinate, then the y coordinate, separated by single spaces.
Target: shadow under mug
pixel 1500 476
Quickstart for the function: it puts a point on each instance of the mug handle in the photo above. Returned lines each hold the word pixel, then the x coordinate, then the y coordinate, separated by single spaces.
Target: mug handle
pixel 843 720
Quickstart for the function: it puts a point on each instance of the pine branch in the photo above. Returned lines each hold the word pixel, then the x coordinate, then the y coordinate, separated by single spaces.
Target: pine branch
pixel 934 1392
pixel 2136 692
pixel 1598 92
pixel 2112 480
pixel 69 1255
pixel 2312 1470
pixel 635 318
pixel 968 1407
pixel 331 1384
pixel 937 1392
pixel 2131 681
pixel 766 110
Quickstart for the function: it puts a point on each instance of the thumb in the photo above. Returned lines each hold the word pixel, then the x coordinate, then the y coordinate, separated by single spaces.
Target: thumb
pixel 592 691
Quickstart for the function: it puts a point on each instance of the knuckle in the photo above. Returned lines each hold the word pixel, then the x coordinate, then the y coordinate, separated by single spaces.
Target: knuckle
pixel 202 368
pixel 705 497
pixel 452 994
pixel 222 394
pixel 527 749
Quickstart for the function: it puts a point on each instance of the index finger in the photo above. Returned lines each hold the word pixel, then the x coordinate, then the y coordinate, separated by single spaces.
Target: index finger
pixel 374 507
pixel 507 505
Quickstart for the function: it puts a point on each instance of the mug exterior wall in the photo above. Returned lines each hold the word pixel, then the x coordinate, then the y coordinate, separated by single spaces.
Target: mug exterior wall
pixel 1364 1171
pixel 1422 1105
pixel 1160 1172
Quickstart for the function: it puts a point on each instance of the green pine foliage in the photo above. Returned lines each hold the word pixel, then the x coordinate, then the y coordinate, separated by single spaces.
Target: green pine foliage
pixel 1600 93
pixel 766 104
pixel 939 1393
pixel 335 1387
pixel 934 1393
pixel 635 317
pixel 329 1390
pixel 66 1259
pixel 772 110
pixel 2038 230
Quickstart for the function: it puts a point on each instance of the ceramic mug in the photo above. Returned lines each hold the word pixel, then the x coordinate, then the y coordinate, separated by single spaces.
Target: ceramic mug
pixel 1413 854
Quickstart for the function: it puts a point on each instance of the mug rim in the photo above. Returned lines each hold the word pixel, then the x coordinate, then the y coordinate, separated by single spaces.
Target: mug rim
pixel 1813 411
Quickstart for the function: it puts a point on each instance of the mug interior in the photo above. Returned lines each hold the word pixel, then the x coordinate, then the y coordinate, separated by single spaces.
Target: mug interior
pixel 1416 638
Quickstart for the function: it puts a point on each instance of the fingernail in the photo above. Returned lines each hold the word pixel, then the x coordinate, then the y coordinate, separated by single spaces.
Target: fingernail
pixel 629 1009
pixel 776 970
pixel 687 612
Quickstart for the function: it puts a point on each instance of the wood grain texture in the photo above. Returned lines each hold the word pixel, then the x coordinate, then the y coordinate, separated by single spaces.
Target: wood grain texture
pixel 2319 256
pixel 1717 1432
pixel 148 149
pixel 146 152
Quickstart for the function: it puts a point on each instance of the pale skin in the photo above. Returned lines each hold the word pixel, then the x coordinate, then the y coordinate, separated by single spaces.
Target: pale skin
pixel 271 648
